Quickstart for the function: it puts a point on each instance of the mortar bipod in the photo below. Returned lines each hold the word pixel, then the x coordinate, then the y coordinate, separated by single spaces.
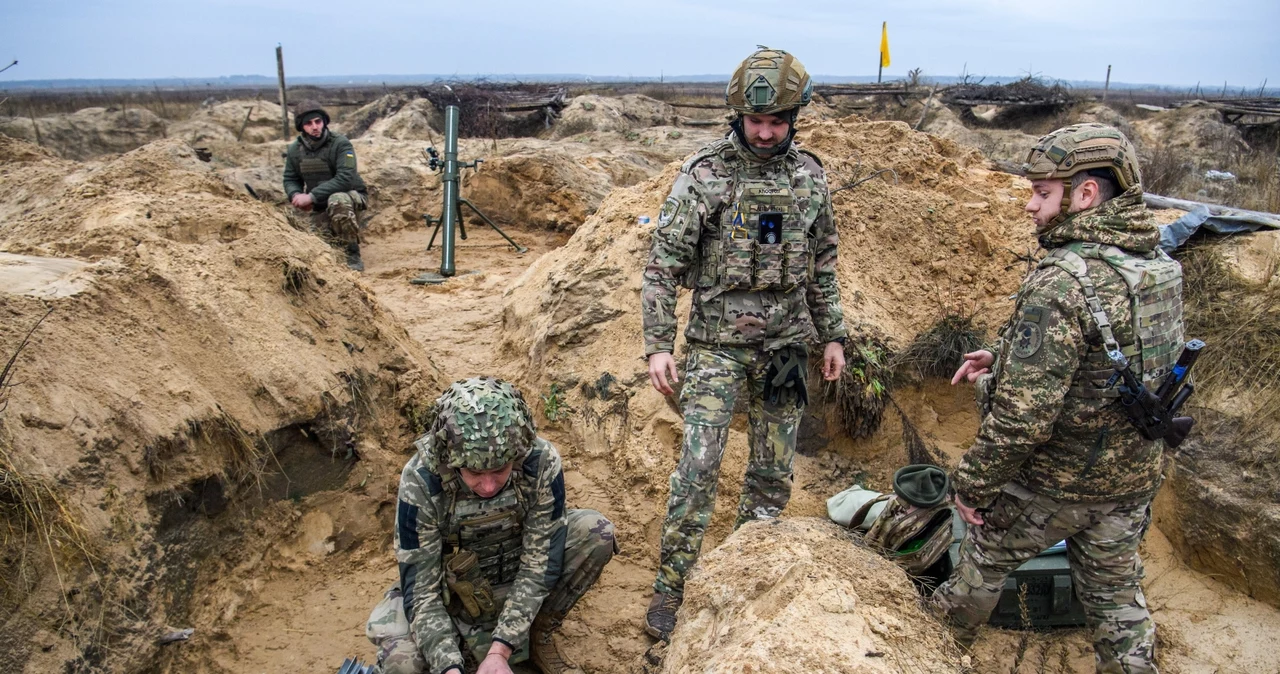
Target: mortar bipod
pixel 449 219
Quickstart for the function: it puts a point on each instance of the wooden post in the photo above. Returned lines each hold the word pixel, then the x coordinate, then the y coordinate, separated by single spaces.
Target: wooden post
pixel 244 124
pixel 31 111
pixel 284 100
pixel 1106 87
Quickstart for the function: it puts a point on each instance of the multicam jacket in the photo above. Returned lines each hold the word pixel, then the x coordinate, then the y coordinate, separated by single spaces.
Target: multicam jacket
pixel 321 167
pixel 748 291
pixel 423 541
pixel 1047 425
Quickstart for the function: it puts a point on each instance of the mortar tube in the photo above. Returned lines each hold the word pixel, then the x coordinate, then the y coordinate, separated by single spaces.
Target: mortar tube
pixel 450 181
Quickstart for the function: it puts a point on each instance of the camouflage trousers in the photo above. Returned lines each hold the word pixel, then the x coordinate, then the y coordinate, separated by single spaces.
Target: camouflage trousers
pixel 589 545
pixel 1102 548
pixel 338 223
pixel 714 377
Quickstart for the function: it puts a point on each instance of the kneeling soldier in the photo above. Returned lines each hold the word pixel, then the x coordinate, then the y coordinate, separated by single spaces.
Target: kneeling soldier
pixel 489 556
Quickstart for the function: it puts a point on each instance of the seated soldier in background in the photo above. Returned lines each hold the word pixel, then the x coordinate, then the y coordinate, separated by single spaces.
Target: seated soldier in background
pixel 489 556
pixel 320 177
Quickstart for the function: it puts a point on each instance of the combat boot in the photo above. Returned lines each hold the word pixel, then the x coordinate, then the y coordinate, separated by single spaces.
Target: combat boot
pixel 543 652
pixel 660 619
pixel 353 257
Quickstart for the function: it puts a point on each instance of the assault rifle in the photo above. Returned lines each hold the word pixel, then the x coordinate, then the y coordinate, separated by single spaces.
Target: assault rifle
pixel 1155 415
pixel 354 666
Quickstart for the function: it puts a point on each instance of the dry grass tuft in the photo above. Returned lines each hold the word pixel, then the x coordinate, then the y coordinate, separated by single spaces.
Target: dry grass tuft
pixel 863 388
pixel 1240 323
pixel 938 351
pixel 34 521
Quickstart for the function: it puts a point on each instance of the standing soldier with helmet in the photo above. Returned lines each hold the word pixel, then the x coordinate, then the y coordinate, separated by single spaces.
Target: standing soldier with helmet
pixel 489 556
pixel 749 228
pixel 320 177
pixel 1056 457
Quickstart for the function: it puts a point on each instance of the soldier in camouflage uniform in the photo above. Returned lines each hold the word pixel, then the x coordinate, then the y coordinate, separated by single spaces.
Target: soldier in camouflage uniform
pixel 749 228
pixel 1056 457
pixel 489 557
pixel 320 177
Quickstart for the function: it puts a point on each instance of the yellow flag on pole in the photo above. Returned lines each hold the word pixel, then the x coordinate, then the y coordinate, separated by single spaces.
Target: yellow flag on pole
pixel 884 44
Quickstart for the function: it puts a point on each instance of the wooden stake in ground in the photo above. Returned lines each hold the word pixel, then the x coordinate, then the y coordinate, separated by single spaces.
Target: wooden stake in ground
pixel 246 123
pixel 284 101
pixel 31 111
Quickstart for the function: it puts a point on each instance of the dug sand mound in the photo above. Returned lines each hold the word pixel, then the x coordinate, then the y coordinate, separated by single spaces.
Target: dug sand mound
pixel 200 360
pixel 88 133
pixel 248 121
pixel 1196 130
pixel 803 596
pixel 1006 144
pixel 607 113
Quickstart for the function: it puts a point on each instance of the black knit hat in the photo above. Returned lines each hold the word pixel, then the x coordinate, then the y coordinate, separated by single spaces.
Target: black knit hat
pixel 308 110
pixel 921 485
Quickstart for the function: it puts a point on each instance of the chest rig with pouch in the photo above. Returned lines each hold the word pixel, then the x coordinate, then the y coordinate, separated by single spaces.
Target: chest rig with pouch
pixel 759 239
pixel 483 539
pixel 1154 285
pixel 312 165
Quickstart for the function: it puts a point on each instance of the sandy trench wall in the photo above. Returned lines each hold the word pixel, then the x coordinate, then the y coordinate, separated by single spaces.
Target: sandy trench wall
pixel 189 323
pixel 88 133
pixel 802 595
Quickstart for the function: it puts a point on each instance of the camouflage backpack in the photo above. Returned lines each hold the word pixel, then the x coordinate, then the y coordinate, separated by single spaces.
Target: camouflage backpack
pixel 914 530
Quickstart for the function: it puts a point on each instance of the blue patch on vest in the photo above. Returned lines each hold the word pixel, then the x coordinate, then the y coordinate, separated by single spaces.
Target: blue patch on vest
pixel 555 556
pixel 557 491
pixel 409 583
pixel 407 525
pixel 435 484
pixel 530 465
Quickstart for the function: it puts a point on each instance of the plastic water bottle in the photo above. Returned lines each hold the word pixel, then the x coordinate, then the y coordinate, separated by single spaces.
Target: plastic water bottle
pixel 644 219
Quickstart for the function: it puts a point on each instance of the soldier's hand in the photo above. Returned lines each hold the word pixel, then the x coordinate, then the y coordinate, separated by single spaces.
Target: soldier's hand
pixel 975 365
pixel 969 515
pixel 832 361
pixel 301 201
pixel 662 369
pixel 496 661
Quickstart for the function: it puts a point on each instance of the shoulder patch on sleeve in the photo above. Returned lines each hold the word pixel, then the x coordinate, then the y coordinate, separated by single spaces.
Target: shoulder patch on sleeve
pixel 1028 336
pixel 809 153
pixel 669 209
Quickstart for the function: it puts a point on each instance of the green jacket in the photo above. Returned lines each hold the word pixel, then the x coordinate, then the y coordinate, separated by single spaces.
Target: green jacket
pixel 1036 431
pixel 424 538
pixel 745 293
pixel 321 167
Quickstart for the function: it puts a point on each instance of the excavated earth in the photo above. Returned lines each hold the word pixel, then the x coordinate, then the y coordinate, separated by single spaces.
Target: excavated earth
pixel 224 408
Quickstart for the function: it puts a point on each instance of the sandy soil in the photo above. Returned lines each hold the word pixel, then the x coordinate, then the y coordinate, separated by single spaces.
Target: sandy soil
pixel 138 249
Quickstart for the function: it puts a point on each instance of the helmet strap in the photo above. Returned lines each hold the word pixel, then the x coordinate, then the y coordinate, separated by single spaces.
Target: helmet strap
pixel 1065 209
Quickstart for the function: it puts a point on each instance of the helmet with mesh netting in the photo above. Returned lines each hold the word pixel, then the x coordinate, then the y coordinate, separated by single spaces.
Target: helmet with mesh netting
pixel 481 423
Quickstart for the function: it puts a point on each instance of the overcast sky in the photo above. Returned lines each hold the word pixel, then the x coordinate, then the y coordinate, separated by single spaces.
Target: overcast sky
pixel 1176 42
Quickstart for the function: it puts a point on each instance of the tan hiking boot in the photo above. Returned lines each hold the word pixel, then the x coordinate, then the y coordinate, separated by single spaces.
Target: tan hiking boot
pixel 660 619
pixel 544 654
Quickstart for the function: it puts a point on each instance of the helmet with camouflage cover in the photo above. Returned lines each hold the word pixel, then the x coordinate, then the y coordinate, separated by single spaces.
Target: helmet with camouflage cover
pixel 480 424
pixel 1082 148
pixel 767 82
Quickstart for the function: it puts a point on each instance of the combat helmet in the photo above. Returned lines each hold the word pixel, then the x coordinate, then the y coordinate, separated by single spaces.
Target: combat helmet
pixel 767 82
pixel 480 424
pixel 1083 148
pixel 306 110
